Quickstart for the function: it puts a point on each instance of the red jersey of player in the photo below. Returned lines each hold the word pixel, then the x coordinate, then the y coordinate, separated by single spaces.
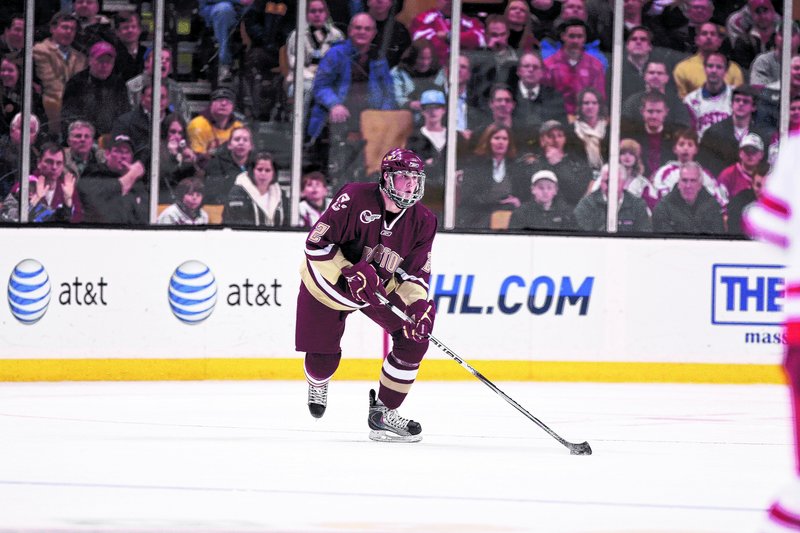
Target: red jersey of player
pixel 373 241
pixel 775 218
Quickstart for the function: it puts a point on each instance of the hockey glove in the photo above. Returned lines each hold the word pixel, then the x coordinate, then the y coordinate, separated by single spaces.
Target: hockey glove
pixel 363 283
pixel 422 312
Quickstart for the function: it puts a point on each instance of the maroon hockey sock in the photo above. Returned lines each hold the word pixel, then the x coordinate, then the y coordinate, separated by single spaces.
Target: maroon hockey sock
pixel 397 376
pixel 320 367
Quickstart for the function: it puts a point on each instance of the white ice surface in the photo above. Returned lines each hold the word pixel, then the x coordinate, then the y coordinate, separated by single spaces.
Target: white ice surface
pixel 247 456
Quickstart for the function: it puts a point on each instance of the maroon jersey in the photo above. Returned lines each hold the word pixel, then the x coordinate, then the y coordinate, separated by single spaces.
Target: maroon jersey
pixel 354 227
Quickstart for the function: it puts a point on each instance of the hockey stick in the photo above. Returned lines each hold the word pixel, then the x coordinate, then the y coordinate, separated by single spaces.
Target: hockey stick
pixel 582 448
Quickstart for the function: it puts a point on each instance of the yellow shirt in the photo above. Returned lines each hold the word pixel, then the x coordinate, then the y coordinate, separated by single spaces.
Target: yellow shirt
pixel 205 138
pixel 689 75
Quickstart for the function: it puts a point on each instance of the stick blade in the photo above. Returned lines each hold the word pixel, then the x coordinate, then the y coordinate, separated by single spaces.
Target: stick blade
pixel 580 449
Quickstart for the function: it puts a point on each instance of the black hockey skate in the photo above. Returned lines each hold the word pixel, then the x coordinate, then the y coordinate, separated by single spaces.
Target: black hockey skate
pixel 317 400
pixel 388 426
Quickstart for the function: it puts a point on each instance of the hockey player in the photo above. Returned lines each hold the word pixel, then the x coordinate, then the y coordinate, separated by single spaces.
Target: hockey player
pixel 374 240
pixel 775 218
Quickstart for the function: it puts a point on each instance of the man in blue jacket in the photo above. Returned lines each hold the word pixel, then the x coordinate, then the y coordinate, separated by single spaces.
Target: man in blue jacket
pixel 352 77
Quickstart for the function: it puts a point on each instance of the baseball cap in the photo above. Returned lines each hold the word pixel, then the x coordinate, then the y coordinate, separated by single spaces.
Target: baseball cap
pixel 544 175
pixel 550 125
pixel 753 140
pixel 432 97
pixel 122 139
pixel 223 92
pixel 101 48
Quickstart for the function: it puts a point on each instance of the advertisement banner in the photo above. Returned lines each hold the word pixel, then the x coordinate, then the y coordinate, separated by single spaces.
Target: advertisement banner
pixel 115 294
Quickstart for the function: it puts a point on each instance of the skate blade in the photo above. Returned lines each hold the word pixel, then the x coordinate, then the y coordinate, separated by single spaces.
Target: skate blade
pixel 388 436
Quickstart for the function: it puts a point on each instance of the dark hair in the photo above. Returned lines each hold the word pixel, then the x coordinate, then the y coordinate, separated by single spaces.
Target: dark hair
pixel 653 97
pixel 189 185
pixel 314 176
pixel 688 134
pixel 500 87
pixel 6 23
pixel 409 57
pixel 126 16
pixel 50 148
pixel 482 147
pixel 167 122
pixel 265 156
pixel 601 102
pixel 746 90
pixel 59 17
pixel 656 62
pixel 645 29
pixel 565 25
pixel 720 54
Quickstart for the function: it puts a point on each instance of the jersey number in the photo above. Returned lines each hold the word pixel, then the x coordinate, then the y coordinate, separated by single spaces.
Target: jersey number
pixel 319 230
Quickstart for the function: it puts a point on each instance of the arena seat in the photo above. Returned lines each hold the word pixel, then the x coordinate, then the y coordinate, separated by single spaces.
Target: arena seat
pixel 382 131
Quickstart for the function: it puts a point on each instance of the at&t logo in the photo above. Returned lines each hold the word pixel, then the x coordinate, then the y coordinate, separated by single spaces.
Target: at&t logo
pixel 192 292
pixel 28 291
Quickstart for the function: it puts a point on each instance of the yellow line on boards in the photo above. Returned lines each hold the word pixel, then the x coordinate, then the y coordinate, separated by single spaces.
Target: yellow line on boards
pixel 369 369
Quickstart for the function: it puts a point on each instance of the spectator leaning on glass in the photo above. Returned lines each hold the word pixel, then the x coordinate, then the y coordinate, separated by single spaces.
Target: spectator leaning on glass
pixel 256 198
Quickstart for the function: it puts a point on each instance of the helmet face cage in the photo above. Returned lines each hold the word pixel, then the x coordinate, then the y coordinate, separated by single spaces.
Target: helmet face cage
pixel 402 162
pixel 399 199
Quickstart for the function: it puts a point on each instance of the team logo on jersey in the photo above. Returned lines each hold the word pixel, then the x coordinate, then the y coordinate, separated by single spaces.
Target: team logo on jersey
pixel 341 202
pixel 367 216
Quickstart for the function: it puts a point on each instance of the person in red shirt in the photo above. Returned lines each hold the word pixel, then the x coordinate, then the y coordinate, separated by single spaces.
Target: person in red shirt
pixel 571 69
pixel 435 25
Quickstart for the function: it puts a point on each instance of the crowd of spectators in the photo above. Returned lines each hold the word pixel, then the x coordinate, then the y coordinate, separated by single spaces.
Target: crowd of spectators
pixel 700 110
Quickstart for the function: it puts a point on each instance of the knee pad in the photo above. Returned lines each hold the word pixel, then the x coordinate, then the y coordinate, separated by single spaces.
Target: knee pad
pixel 320 367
